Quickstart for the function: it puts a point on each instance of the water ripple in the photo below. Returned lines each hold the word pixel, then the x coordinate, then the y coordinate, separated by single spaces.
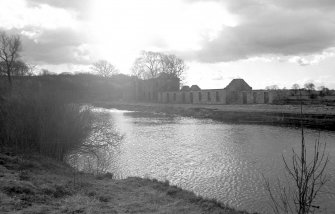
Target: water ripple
pixel 216 160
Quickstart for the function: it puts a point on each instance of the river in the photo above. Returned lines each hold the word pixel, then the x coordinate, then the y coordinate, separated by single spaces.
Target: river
pixel 227 162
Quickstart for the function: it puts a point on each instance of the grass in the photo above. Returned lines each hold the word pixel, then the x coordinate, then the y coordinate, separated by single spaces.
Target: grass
pixel 47 186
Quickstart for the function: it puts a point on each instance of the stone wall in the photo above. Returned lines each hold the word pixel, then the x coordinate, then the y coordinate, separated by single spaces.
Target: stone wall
pixel 214 96
pixel 260 97
pixel 217 96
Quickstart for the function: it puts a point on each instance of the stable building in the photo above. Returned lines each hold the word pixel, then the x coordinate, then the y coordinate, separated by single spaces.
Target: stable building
pixel 166 89
pixel 236 92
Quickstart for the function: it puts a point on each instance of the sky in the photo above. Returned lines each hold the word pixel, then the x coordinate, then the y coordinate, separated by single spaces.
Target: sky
pixel 265 42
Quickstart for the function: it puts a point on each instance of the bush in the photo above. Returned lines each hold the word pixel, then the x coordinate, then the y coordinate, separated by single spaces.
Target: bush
pixel 308 177
pixel 35 120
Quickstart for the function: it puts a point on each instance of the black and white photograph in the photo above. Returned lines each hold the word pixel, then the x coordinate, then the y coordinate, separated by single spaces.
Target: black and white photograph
pixel 167 106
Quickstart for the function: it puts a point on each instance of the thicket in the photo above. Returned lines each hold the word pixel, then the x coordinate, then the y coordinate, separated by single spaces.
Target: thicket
pixel 37 118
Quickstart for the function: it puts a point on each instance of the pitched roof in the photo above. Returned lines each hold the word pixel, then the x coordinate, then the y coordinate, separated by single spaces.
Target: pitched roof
pixel 195 88
pixel 238 85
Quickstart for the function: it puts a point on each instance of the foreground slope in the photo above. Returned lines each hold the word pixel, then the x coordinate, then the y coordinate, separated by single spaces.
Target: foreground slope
pixel 42 185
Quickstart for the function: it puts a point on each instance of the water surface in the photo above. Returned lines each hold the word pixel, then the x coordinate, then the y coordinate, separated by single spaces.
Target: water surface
pixel 213 159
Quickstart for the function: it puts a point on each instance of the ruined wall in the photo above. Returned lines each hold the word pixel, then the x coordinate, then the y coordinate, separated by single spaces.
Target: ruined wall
pixel 214 96
pixel 167 90
pixel 259 97
pixel 237 92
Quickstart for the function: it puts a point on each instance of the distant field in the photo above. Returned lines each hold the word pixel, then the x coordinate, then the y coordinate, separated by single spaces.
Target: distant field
pixel 307 109
pixel 314 116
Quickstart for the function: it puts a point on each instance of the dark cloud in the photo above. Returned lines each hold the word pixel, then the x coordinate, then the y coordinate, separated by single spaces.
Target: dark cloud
pixel 49 45
pixel 303 4
pixel 82 7
pixel 55 47
pixel 273 28
pixel 240 5
pixel 67 4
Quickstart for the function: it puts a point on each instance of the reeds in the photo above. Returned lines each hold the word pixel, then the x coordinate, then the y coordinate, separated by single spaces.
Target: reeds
pixel 37 120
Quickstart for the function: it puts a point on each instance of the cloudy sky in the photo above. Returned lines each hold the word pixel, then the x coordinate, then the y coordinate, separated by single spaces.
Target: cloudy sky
pixel 265 42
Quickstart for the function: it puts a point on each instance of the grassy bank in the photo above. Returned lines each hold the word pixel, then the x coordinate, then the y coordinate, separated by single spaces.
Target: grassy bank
pixel 317 117
pixel 43 185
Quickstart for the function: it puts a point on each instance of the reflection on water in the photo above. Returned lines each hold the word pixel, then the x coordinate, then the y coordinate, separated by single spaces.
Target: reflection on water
pixel 216 160
pixel 97 153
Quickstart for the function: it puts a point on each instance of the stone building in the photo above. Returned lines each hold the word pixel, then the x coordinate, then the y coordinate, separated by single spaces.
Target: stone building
pixel 236 92
pixel 166 89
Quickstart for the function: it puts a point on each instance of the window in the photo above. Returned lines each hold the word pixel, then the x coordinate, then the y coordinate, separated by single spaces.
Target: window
pixel 183 97
pixel 266 97
pixel 174 97
pixel 255 97
pixel 209 96
pixel 199 96
pixel 191 97
pixel 245 97
pixel 167 97
pixel 217 96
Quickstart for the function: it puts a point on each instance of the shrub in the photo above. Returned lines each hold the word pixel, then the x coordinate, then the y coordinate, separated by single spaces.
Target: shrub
pixel 35 120
pixel 308 176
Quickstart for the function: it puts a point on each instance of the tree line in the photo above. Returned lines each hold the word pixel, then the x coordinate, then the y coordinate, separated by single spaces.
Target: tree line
pixel 296 87
pixel 153 64
pixel 148 65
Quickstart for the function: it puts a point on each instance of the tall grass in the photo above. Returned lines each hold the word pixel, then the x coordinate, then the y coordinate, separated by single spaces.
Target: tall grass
pixel 36 120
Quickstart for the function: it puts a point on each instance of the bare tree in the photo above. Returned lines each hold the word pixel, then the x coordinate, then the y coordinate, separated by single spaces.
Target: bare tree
pixel 308 177
pixel 324 91
pixel 20 68
pixel 272 87
pixel 148 65
pixel 104 68
pixel 152 64
pixel 295 86
pixel 321 87
pixel 138 69
pixel 309 86
pixel 33 69
pixel 10 47
pixel 173 66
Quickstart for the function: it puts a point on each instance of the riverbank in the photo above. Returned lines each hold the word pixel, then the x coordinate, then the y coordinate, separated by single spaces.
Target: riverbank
pixel 314 116
pixel 42 185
